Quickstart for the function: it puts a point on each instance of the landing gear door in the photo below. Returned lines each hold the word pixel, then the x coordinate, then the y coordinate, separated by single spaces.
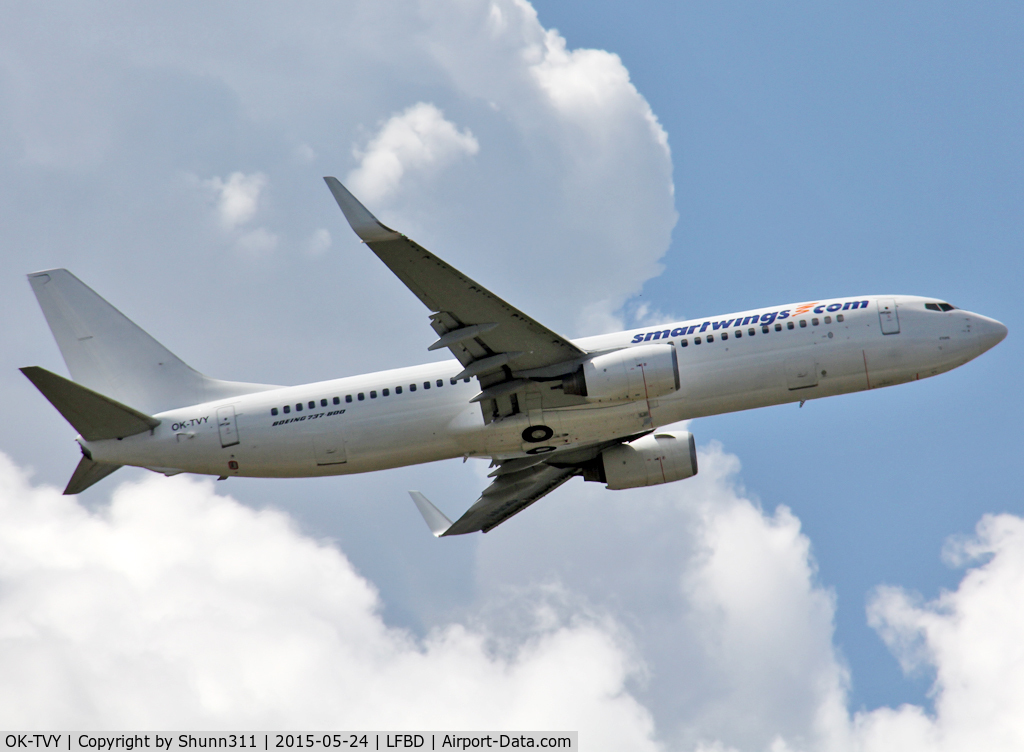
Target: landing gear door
pixel 226 425
pixel 887 315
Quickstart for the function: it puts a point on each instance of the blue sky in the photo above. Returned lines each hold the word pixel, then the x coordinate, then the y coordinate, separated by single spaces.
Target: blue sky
pixel 834 149
pixel 672 160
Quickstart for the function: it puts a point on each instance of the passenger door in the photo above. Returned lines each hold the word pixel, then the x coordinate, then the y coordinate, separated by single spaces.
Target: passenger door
pixel 226 425
pixel 888 317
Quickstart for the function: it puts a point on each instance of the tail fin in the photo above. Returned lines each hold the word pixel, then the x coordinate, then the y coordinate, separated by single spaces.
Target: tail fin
pixel 108 353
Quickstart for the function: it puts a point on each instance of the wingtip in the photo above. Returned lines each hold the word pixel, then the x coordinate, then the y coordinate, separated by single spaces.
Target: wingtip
pixel 363 223
pixel 434 517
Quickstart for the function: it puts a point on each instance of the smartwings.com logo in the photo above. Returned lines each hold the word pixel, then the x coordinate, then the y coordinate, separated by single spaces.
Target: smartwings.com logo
pixel 762 319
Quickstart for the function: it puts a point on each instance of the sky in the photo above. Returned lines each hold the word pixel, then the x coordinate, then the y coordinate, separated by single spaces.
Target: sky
pixel 842 576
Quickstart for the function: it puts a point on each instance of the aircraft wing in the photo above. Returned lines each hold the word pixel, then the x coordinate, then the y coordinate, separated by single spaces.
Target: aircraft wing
pixel 507 495
pixel 517 484
pixel 488 336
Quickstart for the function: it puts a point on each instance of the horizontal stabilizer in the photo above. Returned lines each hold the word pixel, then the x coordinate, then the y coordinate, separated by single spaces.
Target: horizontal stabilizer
pixel 433 516
pixel 93 415
pixel 86 474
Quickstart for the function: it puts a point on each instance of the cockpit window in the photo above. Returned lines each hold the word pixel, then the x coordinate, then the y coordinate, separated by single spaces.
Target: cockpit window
pixel 939 307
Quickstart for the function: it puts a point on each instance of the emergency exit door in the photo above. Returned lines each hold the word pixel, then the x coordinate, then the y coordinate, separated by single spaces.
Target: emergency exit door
pixel 226 425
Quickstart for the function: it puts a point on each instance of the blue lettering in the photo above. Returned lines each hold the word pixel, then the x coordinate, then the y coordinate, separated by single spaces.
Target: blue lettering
pixel 747 320
pixel 637 338
pixel 855 304
pixel 784 314
pixel 767 318
pixel 834 307
pixel 659 335
pixel 704 326
pixel 819 309
pixel 679 331
pixel 648 337
pixel 722 324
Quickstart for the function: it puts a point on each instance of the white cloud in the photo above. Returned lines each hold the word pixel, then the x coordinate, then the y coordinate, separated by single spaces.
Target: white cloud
pixel 418 139
pixel 237 197
pixel 257 243
pixel 971 638
pixel 319 242
pixel 177 607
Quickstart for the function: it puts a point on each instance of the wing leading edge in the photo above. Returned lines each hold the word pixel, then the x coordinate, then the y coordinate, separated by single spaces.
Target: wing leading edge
pixel 491 338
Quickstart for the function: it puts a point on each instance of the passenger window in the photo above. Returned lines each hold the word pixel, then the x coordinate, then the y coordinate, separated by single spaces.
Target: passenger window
pixel 725 335
pixel 739 333
pixel 273 411
pixel 336 401
pixel 454 381
pixel 828 319
pixel 696 340
pixel 311 404
pixel 360 396
pixel 348 397
pixel 711 338
pixel 803 323
pixel 778 327
pixel 814 321
pixel 683 342
pixel 385 392
pixel 373 394
pixel 412 387
pixel 287 409
pixel 323 402
pixel 298 407
pixel 839 318
pixel 426 385
pixel 751 331
pixel 440 382
pixel 398 390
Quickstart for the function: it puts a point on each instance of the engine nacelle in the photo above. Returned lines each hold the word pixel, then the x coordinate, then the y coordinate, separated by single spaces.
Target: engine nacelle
pixel 635 373
pixel 650 460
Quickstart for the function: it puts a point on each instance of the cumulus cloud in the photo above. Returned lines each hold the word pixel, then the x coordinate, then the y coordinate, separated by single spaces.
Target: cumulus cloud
pixel 970 637
pixel 319 242
pixel 418 139
pixel 175 606
pixel 237 197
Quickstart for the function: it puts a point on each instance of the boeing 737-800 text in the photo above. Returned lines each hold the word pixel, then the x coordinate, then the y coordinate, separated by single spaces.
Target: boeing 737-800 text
pixel 541 407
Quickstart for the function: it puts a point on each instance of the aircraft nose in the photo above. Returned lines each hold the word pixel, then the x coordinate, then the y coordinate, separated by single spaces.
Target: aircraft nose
pixel 990 331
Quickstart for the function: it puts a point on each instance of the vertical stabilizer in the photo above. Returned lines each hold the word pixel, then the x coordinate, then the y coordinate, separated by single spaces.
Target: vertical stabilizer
pixel 108 353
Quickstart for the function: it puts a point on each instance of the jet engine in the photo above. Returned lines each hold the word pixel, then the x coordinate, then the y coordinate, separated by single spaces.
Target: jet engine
pixel 635 373
pixel 649 461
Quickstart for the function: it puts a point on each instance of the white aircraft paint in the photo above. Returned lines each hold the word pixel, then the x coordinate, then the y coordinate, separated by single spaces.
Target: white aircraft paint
pixel 535 424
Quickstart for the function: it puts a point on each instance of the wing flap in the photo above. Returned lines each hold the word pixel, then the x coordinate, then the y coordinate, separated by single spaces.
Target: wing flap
pixel 508 495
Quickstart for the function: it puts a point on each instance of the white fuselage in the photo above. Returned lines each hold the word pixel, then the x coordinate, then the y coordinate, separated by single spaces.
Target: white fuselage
pixel 420 414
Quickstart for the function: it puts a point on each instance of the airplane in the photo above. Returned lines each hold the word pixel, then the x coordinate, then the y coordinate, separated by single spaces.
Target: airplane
pixel 542 408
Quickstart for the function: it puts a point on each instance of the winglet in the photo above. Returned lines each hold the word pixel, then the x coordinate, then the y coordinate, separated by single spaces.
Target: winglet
pixel 433 516
pixel 366 226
